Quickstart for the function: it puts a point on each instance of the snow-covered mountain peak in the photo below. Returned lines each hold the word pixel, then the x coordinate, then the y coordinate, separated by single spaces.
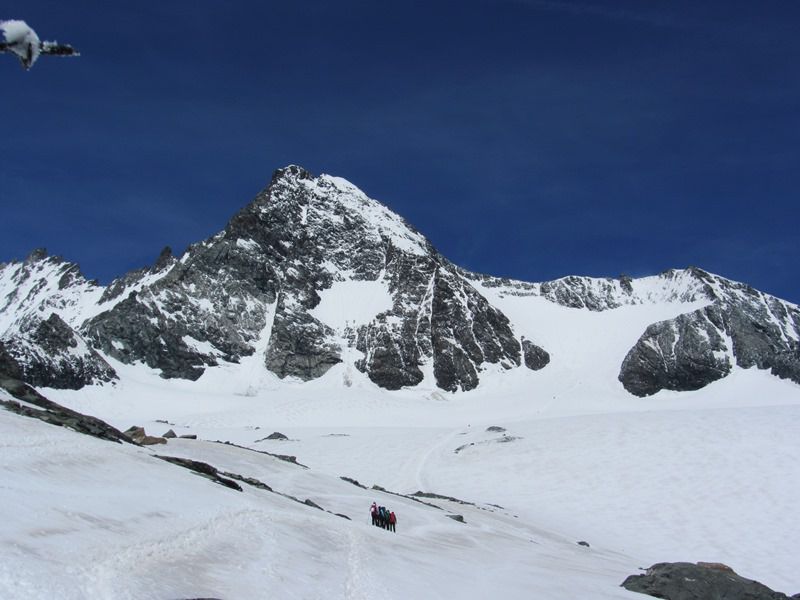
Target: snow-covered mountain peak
pixel 314 278
pixel 389 225
pixel 42 284
pixel 311 232
pixel 43 299
pixel 308 206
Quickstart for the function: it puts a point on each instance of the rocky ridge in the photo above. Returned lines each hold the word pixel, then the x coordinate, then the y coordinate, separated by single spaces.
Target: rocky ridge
pixel 36 344
pixel 738 325
pixel 256 285
pixel 257 288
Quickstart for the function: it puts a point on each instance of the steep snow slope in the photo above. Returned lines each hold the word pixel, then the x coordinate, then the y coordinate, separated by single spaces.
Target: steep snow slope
pixel 84 518
pixel 706 475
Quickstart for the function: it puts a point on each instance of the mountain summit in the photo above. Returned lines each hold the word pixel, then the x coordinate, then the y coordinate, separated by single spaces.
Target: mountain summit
pixel 314 274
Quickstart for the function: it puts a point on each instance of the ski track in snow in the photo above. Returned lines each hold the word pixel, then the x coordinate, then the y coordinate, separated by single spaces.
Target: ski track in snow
pixel 361 582
pixel 189 552
pixel 420 462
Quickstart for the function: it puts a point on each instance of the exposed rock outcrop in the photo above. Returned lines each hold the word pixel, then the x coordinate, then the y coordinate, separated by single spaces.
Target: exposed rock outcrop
pixel 599 294
pixel 703 581
pixel 684 354
pixel 39 345
pixel 138 435
pixel 264 273
pixel 32 404
pixel 8 364
pixel 204 469
pixel 48 353
pixel 742 326
pixel 535 357
pixel 260 286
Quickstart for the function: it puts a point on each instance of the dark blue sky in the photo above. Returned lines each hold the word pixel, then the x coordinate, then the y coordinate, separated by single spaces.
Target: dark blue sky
pixel 531 138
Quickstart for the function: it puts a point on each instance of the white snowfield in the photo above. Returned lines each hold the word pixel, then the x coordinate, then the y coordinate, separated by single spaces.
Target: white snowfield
pixel 710 475
pixel 84 518
pixel 351 303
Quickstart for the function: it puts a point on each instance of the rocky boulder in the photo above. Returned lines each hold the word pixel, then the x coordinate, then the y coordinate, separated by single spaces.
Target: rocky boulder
pixel 536 358
pixel 702 581
pixel 138 435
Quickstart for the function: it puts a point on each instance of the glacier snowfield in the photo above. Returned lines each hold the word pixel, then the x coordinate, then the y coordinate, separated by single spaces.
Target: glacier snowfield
pixel 710 475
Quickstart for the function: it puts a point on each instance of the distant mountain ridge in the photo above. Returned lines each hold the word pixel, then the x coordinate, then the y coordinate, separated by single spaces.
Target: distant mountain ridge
pixel 313 273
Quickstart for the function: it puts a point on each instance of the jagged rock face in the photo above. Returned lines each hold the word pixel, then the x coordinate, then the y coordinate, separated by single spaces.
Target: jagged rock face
pixel 684 354
pixel 37 344
pixel 577 292
pixel 183 316
pixel 135 330
pixel 263 275
pixel 298 346
pixel 762 333
pixel 535 357
pixel 42 284
pixel 9 367
pixel 435 316
pixel 50 354
pixel 262 287
pixel 599 294
pixel 742 326
pixel 466 332
pixel 396 341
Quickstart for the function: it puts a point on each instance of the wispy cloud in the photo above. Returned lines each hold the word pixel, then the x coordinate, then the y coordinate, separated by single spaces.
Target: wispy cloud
pixel 606 12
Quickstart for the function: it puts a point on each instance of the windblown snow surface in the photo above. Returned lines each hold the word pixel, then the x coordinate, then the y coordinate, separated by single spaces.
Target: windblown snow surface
pixel 709 475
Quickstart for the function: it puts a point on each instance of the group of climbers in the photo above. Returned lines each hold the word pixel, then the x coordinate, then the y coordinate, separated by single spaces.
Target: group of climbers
pixel 383 517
